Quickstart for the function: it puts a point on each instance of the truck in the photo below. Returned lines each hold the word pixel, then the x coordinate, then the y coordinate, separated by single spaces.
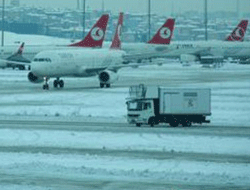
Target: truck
pixel 154 104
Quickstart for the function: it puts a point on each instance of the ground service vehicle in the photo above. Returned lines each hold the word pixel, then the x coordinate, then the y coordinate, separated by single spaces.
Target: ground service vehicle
pixel 153 105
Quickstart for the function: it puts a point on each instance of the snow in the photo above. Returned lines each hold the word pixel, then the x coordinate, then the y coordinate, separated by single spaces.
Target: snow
pixel 230 100
pixel 113 167
pixel 126 141
pixel 230 107
pixel 13 38
pixel 87 104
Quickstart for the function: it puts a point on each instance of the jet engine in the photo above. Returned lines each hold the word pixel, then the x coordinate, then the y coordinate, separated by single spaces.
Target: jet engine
pixel 108 77
pixel 33 78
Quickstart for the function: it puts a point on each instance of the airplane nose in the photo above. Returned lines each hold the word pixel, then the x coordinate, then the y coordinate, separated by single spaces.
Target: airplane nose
pixel 36 67
pixel 33 66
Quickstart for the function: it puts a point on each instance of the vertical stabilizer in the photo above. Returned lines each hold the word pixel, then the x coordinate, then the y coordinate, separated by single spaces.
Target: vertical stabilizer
pixel 116 42
pixel 164 34
pixel 96 35
pixel 20 50
pixel 239 32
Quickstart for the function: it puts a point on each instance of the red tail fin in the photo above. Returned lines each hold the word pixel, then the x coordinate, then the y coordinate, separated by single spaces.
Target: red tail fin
pixel 164 34
pixel 116 42
pixel 20 50
pixel 96 35
pixel 239 32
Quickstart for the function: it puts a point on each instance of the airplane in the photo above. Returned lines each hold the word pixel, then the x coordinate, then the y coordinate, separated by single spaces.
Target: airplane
pixel 161 46
pixel 238 33
pixel 94 39
pixel 208 52
pixel 16 57
pixel 156 47
pixel 152 49
pixel 80 62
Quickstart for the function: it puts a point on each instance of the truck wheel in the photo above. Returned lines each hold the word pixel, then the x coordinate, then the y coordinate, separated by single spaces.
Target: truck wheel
pixel 189 123
pixel 151 121
pixel 186 123
pixel 138 124
pixel 174 123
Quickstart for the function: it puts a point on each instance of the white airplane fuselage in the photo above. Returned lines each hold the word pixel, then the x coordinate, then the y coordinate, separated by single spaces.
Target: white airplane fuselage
pixel 217 48
pixel 145 51
pixel 79 62
pixel 29 50
pixel 176 49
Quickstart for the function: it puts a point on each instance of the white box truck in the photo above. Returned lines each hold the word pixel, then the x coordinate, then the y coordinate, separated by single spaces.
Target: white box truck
pixel 153 105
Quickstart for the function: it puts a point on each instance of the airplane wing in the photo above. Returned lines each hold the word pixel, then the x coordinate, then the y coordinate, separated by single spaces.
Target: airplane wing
pixel 140 56
pixel 115 68
pixel 16 60
pixel 10 62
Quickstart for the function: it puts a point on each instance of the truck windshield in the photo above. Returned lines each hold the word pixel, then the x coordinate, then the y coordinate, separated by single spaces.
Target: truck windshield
pixel 134 106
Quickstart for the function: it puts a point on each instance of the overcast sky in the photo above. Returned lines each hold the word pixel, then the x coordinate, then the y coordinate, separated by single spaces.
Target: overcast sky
pixel 162 7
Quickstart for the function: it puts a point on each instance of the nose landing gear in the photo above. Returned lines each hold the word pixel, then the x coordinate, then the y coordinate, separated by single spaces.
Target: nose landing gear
pixel 102 85
pixel 46 85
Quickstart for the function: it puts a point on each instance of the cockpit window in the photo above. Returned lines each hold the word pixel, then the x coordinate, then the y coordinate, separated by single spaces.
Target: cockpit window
pixel 42 60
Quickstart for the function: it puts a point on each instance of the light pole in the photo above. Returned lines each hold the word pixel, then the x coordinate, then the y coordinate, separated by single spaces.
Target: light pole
pixel 103 7
pixel 77 4
pixel 83 19
pixel 205 20
pixel 3 22
pixel 149 17
pixel 238 9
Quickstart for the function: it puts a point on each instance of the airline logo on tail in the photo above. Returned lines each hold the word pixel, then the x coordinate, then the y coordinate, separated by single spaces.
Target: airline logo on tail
pixel 96 35
pixel 116 42
pixel 164 34
pixel 239 32
pixel 119 31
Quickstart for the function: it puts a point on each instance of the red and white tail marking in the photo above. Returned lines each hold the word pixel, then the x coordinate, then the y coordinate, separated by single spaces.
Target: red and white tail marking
pixel 116 42
pixel 239 32
pixel 96 35
pixel 20 50
pixel 164 34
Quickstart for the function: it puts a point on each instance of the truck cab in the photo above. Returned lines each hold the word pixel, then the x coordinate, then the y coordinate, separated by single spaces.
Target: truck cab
pixel 139 111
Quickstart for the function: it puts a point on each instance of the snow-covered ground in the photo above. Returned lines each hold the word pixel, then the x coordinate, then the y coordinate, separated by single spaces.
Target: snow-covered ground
pixel 115 159
pixel 13 38
pixel 230 98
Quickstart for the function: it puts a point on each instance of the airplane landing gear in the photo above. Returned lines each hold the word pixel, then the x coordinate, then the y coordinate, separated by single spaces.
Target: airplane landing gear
pixel 58 83
pixel 103 84
pixel 46 85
